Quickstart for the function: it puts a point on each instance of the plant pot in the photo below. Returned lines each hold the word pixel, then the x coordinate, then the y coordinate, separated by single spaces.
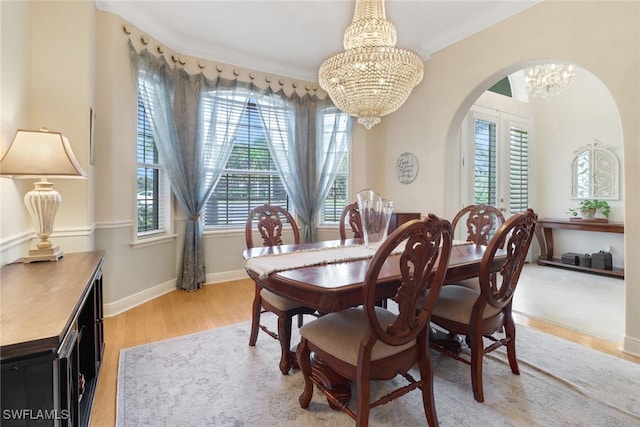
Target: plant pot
pixel 588 213
pixel 600 215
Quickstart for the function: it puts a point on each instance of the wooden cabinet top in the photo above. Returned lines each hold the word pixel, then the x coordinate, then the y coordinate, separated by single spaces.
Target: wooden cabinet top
pixel 39 301
pixel 585 225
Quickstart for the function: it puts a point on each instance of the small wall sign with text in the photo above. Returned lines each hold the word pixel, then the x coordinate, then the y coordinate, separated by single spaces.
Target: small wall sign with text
pixel 407 167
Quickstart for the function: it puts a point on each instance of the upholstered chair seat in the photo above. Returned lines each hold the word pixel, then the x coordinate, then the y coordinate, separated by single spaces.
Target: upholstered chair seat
pixel 281 303
pixel 472 283
pixel 456 303
pixel 353 326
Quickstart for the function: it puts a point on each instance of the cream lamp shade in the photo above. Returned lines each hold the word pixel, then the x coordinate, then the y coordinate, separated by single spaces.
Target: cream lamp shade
pixel 41 154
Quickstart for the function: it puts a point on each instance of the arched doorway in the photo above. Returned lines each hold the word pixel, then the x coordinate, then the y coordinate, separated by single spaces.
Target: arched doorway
pixel 558 127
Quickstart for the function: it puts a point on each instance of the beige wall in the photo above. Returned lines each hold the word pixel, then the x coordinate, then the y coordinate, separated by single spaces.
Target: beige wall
pixel 14 108
pixel 564 124
pixel 47 81
pixel 602 37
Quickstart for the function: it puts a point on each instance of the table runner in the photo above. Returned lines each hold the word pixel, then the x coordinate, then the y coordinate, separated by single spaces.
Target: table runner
pixel 267 264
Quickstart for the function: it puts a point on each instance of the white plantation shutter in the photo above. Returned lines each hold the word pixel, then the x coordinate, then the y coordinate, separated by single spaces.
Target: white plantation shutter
pixel 518 170
pixel 485 164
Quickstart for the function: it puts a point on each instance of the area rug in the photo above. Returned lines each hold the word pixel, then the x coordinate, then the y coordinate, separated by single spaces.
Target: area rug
pixel 214 378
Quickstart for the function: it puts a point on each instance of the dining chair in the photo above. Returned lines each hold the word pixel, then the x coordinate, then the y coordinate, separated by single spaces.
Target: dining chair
pixel 351 215
pixel 481 314
pixel 270 222
pixel 372 343
pixel 481 223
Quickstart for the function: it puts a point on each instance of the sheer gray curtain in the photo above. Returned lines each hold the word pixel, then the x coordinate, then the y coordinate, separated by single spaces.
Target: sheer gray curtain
pixel 193 124
pixel 308 139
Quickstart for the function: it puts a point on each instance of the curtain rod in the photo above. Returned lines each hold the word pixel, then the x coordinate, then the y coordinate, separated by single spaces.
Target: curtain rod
pixel 180 61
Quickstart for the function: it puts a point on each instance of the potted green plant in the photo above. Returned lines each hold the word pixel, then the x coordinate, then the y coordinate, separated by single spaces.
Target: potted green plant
pixel 591 208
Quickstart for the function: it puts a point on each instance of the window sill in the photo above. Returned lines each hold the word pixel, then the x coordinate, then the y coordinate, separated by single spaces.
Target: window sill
pixel 150 241
pixel 224 230
pixel 328 226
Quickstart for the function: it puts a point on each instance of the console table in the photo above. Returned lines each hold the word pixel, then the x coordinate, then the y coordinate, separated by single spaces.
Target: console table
pixel 544 234
pixel 52 340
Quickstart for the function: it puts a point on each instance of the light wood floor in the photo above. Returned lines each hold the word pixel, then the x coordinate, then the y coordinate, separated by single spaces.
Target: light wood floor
pixel 180 313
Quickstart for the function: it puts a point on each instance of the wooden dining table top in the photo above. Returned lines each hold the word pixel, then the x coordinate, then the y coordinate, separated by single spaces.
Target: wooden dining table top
pixel 336 286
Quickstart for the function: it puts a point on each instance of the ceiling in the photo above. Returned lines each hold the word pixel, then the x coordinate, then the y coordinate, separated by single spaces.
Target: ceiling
pixel 292 38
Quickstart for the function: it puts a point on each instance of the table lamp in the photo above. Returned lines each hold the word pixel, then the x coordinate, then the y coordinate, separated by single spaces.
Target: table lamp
pixel 41 154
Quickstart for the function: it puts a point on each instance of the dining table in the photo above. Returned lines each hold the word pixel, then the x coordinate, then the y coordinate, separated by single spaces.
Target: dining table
pixel 329 282
pixel 328 276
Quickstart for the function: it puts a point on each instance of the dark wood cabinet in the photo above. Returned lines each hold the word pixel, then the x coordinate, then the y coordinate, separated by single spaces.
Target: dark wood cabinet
pixel 51 341
pixel 399 218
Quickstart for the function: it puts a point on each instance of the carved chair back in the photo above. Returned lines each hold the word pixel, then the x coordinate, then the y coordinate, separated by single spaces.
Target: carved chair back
pixel 423 266
pixel 497 289
pixel 351 215
pixel 270 221
pixel 481 222
pixel 372 343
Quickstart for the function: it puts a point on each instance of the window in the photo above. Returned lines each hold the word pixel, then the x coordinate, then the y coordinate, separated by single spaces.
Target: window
pixel 498 175
pixel 152 199
pixel 337 198
pixel 485 163
pixel 338 195
pixel 518 169
pixel 250 178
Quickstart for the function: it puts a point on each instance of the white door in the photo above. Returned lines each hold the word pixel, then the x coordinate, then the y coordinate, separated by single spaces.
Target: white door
pixel 495 149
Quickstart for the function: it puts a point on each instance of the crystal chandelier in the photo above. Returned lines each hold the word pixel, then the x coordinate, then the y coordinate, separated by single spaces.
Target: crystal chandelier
pixel 371 77
pixel 549 79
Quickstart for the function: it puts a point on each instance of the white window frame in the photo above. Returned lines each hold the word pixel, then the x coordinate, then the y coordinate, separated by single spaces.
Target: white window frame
pixel 165 229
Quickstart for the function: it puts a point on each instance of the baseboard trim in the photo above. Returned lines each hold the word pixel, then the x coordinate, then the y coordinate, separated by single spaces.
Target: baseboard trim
pixel 631 346
pixel 226 276
pixel 127 303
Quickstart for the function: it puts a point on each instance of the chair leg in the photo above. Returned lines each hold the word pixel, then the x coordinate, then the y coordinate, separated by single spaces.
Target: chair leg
pixel 304 361
pixel 284 333
pixel 510 336
pixel 363 390
pixel 426 375
pixel 477 353
pixel 255 317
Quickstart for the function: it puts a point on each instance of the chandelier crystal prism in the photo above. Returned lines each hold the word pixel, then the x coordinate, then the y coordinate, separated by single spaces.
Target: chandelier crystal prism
pixel 547 80
pixel 371 77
